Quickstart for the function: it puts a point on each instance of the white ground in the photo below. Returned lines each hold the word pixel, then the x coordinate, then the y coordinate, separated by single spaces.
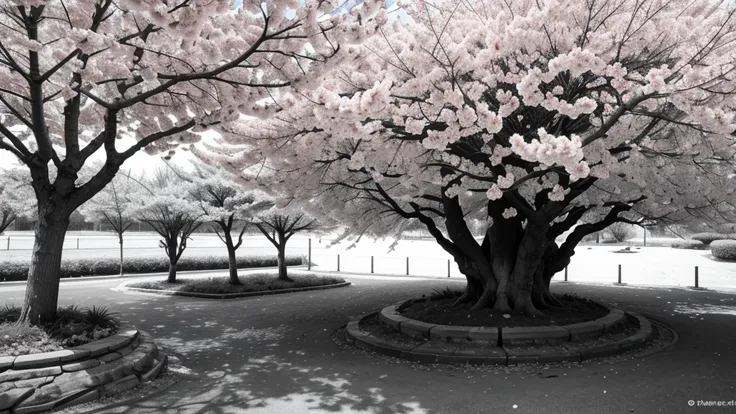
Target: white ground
pixel 650 266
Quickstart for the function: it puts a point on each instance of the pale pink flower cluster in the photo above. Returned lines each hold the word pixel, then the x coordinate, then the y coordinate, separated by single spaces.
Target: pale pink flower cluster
pixel 506 181
pixel 488 120
pixel 550 150
pixel 656 80
pixel 557 193
pixel 509 212
pixel 577 61
pixel 494 193
pixel 583 105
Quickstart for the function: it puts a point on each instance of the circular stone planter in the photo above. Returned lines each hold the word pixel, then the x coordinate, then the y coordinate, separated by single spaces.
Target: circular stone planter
pixel 234 295
pixel 50 380
pixel 398 336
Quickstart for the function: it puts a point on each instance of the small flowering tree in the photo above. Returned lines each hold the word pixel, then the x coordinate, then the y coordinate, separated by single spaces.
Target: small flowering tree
pixel 278 226
pixel 229 207
pixel 165 205
pixel 531 116
pixel 82 77
pixel 15 193
pixel 113 205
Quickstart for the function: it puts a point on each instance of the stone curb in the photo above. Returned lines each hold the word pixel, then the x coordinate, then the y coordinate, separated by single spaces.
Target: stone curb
pixel 234 295
pixel 507 336
pixel 441 351
pixel 122 338
pixel 52 380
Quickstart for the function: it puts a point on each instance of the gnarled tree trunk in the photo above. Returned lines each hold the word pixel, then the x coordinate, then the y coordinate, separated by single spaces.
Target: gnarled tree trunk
pixel 42 288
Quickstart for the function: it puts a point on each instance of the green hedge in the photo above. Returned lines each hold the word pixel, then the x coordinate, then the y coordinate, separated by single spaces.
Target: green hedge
pixel 708 238
pixel 724 249
pixel 689 244
pixel 14 271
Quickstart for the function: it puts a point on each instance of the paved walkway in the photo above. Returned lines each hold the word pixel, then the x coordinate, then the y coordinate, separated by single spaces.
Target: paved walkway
pixel 274 354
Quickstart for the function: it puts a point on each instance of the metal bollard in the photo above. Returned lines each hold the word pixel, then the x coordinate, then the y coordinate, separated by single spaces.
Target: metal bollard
pixel 697 282
pixel 407 266
pixel 371 264
pixel 77 243
pixel 309 257
pixel 565 273
pixel 619 274
pixel 338 262
pixel 448 268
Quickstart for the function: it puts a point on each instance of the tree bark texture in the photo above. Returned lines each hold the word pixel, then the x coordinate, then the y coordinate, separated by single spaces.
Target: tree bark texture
pixel 511 270
pixel 42 289
pixel 173 248
pixel 120 239
pixel 282 263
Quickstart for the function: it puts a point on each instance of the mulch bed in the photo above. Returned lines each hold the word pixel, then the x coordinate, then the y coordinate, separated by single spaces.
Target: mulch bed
pixel 574 310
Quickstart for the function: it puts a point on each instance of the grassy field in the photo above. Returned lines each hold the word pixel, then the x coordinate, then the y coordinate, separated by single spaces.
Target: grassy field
pixel 591 263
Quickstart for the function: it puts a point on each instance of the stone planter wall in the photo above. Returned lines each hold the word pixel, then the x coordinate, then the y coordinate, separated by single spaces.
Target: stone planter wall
pixel 41 382
pixel 505 336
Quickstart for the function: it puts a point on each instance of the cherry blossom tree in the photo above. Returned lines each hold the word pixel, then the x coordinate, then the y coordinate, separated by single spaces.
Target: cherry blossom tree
pixel 229 207
pixel 278 226
pixel 111 78
pixel 113 205
pixel 15 193
pixel 532 116
pixel 166 206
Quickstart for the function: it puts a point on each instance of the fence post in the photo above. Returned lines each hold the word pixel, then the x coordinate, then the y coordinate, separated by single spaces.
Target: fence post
pixel 338 262
pixel 309 255
pixel 565 273
pixel 619 274
pixel 407 266
pixel 371 264
pixel 697 282
pixel 645 236
pixel 8 243
pixel 448 267
pixel 77 243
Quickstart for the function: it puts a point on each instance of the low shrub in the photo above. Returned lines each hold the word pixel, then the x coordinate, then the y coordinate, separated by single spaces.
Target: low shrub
pixel 724 249
pixel 621 231
pixel 708 238
pixel 15 271
pixel 688 244
pixel 73 326
pixel 256 282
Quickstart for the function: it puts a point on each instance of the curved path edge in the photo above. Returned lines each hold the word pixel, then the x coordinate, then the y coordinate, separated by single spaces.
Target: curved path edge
pixel 233 295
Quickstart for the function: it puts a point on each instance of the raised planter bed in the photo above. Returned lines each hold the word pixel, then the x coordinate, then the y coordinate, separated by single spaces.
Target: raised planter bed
pixel 612 334
pixel 41 382
pixel 235 295
pixel 546 334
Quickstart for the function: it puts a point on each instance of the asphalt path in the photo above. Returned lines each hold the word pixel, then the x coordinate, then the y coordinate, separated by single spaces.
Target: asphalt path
pixel 275 354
